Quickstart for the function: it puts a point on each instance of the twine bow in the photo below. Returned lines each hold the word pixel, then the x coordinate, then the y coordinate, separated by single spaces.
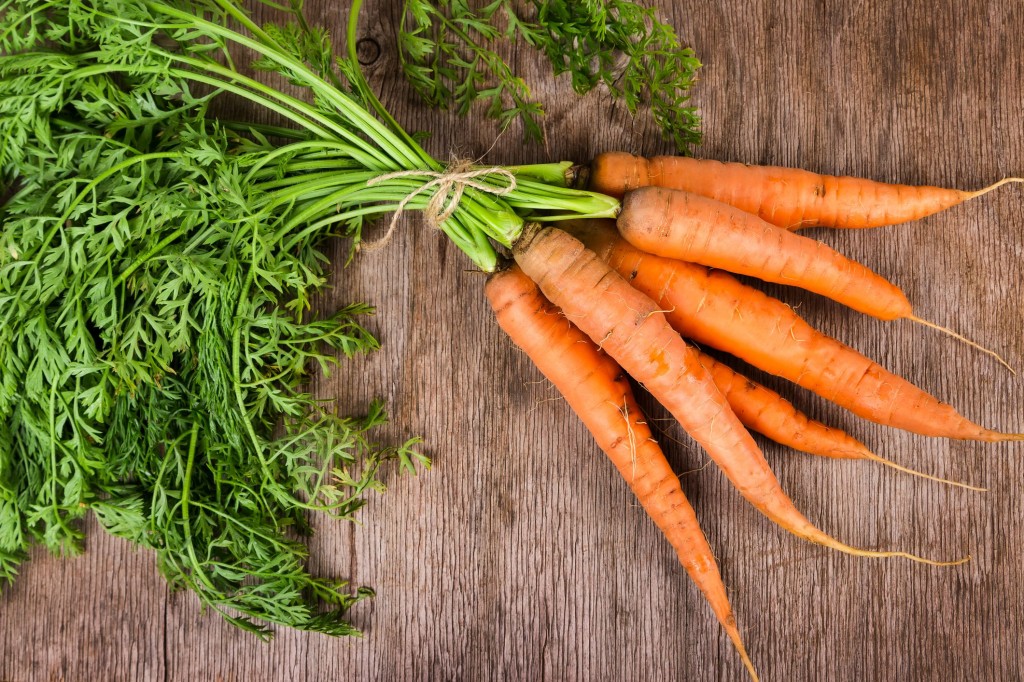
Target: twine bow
pixel 450 184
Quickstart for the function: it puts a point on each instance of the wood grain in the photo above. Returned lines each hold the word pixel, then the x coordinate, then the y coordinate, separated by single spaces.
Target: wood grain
pixel 521 555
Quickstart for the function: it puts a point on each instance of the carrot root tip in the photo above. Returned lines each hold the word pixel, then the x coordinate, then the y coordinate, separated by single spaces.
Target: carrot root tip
pixel 922 560
pixel 885 554
pixel 964 339
pixel 920 474
pixel 747 663
pixel 995 185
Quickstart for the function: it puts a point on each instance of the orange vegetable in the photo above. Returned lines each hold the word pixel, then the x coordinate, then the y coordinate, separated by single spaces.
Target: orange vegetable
pixel 634 331
pixel 696 229
pixel 765 411
pixel 714 308
pixel 598 391
pixel 790 198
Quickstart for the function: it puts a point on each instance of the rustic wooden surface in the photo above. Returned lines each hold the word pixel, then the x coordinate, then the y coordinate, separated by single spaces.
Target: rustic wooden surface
pixel 521 555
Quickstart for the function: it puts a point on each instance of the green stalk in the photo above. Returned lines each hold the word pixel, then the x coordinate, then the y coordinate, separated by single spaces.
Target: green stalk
pixel 263 129
pixel 360 118
pixel 368 156
pixel 53 460
pixel 312 145
pixel 186 488
pixel 144 258
pixel 269 104
pixel 370 96
pixel 548 173
pixel 379 145
pixel 322 166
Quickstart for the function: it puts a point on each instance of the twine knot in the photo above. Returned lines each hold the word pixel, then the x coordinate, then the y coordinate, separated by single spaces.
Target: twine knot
pixel 449 185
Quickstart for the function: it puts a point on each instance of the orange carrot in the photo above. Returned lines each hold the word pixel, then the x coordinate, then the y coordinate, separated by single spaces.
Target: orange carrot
pixel 598 391
pixel 713 308
pixel 788 197
pixel 696 229
pixel 678 224
pixel 630 327
pixel 763 410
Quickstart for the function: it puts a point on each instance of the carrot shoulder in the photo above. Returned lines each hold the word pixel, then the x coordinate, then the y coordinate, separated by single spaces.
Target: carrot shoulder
pixel 599 392
pixel 714 308
pixel 788 197
pixel 632 329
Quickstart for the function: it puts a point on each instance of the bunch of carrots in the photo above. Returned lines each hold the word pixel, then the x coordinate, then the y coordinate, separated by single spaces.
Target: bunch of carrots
pixel 107 155
pixel 593 305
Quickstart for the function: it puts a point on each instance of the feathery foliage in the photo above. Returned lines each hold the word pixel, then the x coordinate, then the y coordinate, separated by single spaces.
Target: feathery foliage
pixel 446 50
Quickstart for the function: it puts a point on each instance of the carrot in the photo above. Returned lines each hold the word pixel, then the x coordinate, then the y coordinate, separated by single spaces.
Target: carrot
pixel 714 308
pixel 598 391
pixel 629 326
pixel 790 198
pixel 763 410
pixel 689 227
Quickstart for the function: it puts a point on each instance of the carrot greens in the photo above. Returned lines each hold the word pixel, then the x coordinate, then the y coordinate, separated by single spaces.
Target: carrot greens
pixel 157 271
pixel 446 50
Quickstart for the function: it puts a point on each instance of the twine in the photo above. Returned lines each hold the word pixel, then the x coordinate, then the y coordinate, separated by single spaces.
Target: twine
pixel 450 185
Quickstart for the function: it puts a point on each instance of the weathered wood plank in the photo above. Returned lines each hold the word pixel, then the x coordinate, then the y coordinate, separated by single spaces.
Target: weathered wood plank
pixel 521 554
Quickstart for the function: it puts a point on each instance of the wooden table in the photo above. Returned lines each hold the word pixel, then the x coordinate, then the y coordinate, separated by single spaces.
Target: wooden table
pixel 522 554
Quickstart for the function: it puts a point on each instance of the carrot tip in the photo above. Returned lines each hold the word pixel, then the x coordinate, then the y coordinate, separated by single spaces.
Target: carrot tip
pixel 986 190
pixel 728 622
pixel 964 339
pixel 998 436
pixel 747 662
pixel 831 542
pixel 920 474
pixel 922 560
